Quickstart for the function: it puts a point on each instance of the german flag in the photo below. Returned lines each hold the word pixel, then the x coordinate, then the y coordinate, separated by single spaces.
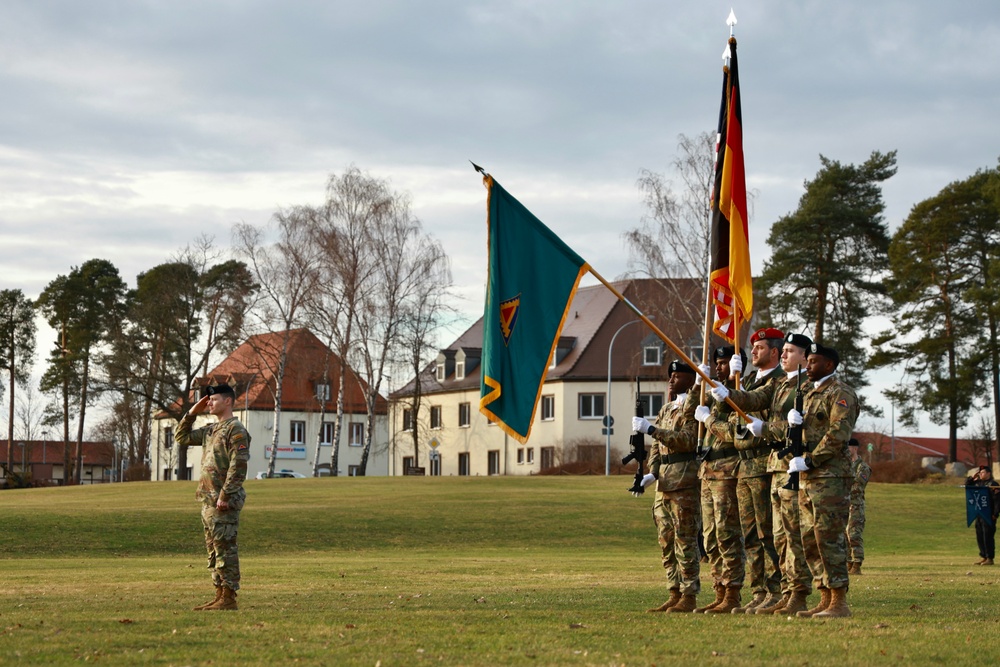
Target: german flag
pixel 731 282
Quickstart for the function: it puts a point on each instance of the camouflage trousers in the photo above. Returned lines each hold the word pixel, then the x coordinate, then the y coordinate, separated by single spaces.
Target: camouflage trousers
pixel 754 497
pixel 795 574
pixel 856 534
pixel 220 542
pixel 720 520
pixel 823 506
pixel 675 514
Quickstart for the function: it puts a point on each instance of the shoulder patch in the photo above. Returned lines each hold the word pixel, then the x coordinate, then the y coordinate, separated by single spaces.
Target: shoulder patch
pixel 238 440
pixel 842 402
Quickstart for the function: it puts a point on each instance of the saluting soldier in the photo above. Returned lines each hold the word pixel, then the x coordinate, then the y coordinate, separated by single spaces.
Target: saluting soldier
pixel 225 453
pixel 673 465
pixel 861 472
pixel 720 515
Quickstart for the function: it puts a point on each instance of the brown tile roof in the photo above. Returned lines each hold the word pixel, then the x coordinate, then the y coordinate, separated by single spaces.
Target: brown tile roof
pixel 251 368
pixel 919 446
pixel 48 451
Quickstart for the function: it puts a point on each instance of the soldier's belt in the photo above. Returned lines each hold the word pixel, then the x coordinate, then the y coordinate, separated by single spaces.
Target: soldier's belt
pixel 755 453
pixel 725 453
pixel 681 457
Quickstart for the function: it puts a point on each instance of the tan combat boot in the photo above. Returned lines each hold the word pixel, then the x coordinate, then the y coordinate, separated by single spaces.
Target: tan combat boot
pixel 720 595
pixel 770 602
pixel 838 605
pixel 857 568
pixel 685 604
pixel 675 596
pixel 796 603
pixel 730 602
pixel 218 596
pixel 824 602
pixel 988 561
pixel 757 599
pixel 227 603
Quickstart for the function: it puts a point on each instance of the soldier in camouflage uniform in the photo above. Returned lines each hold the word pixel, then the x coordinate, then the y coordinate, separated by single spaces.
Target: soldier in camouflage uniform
pixel 720 515
pixel 673 464
pixel 860 473
pixel 225 452
pixel 830 413
pixel 754 486
pixel 775 399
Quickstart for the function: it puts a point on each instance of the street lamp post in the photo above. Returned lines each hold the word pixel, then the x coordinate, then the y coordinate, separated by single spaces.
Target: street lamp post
pixel 607 402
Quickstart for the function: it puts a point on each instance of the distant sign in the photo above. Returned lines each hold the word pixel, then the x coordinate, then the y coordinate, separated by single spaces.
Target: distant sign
pixel 871 447
pixel 287 452
pixel 608 421
pixel 414 470
pixel 435 443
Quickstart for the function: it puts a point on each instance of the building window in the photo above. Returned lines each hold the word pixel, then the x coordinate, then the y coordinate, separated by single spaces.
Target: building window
pixel 407 419
pixel 357 434
pixel 520 454
pixel 459 370
pixel 651 355
pixel 494 461
pixel 326 434
pixel 322 392
pixel 297 433
pixel 407 464
pixel 696 352
pixel 435 416
pixel 352 471
pixel 531 454
pixel 651 404
pixel 440 372
pixel 548 457
pixel 591 406
pixel 463 464
pixel 168 437
pixel 548 407
pixel 436 466
pixel 463 415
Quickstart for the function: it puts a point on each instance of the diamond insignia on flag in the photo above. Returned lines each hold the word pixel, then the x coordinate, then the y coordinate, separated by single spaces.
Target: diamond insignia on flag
pixel 509 309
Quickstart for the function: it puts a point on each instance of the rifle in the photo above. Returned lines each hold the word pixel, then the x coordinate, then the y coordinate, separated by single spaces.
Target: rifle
pixel 637 444
pixel 795 435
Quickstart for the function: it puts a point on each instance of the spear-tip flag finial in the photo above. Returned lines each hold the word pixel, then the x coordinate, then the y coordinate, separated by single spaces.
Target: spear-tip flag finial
pixel 478 168
pixel 731 21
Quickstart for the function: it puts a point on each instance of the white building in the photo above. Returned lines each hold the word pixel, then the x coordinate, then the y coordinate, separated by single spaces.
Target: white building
pixel 308 410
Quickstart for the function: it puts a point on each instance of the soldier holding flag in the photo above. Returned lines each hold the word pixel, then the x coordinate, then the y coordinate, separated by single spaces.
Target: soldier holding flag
pixel 989 506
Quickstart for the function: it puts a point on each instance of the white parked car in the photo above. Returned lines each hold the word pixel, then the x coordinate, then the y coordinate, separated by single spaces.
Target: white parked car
pixel 281 473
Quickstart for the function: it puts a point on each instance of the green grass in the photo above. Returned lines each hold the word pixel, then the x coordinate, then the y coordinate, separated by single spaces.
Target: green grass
pixel 450 571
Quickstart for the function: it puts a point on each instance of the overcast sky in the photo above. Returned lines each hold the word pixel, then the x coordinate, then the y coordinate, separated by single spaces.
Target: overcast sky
pixel 130 128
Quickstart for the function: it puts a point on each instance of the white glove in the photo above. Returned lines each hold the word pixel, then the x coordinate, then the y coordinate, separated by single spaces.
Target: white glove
pixel 701 413
pixel 647 479
pixel 756 427
pixel 719 392
pixel 794 417
pixel 736 364
pixel 642 425
pixel 797 464
pixel 704 368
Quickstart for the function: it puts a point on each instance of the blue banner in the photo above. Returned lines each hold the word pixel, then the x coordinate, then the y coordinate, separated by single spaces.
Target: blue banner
pixel 977 504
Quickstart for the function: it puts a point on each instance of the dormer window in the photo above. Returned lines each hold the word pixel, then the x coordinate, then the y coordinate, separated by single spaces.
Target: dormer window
pixel 652 355
pixel 459 370
pixel 440 372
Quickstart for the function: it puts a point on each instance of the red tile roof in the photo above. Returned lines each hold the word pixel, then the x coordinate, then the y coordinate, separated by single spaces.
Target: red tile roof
pixel 48 451
pixel 919 446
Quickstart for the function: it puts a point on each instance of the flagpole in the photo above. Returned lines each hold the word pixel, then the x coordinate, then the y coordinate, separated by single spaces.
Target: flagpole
pixel 655 329
pixel 731 22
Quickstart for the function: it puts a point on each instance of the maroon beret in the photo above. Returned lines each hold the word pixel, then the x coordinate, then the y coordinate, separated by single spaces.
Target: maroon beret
pixel 769 333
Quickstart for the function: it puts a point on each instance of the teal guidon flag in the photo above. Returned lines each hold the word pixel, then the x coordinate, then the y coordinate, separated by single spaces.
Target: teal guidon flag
pixel 532 278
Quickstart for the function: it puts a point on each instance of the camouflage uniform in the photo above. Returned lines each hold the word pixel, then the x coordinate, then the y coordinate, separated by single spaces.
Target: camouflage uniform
pixel 225 452
pixel 753 491
pixel 676 507
pixel 860 473
pixel 719 506
pixel 830 412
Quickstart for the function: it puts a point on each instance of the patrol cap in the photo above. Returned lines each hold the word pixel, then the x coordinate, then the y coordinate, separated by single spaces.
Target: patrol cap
pixel 767 333
pixel 824 351
pixel 799 340
pixel 680 367
pixel 220 389
pixel 853 442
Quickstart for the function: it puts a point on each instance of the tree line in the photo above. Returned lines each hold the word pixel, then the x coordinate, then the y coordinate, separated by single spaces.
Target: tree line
pixel 358 270
pixel 835 272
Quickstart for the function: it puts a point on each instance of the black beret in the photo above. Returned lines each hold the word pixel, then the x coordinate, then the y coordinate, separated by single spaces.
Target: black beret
pixel 724 352
pixel 220 389
pixel 680 367
pixel 799 340
pixel 853 442
pixel 824 351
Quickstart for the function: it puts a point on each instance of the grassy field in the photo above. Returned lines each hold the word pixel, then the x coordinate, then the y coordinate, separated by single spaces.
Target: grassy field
pixel 452 571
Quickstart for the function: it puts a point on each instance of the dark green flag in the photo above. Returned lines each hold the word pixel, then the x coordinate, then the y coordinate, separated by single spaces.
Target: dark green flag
pixel 533 276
